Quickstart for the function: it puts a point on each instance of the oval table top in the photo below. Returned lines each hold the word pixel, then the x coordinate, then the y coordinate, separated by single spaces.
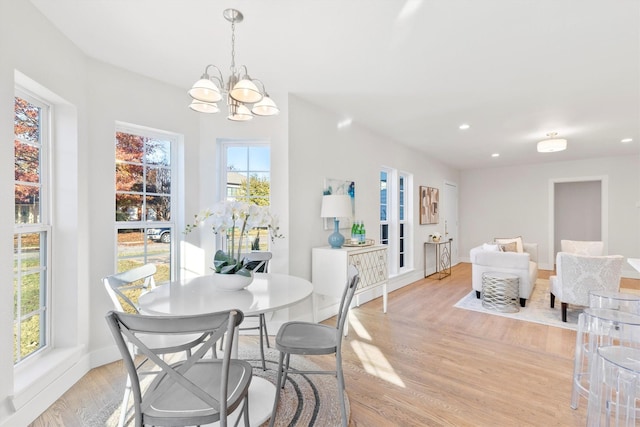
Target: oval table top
pixel 268 292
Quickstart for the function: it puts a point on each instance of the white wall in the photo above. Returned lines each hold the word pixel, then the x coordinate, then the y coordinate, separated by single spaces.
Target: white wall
pixel 515 201
pixel 319 150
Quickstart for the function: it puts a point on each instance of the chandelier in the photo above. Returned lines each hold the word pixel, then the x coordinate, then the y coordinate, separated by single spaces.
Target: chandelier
pixel 244 98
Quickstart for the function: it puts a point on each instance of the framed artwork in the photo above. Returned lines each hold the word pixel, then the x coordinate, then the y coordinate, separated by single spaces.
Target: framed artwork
pixel 429 205
pixel 340 186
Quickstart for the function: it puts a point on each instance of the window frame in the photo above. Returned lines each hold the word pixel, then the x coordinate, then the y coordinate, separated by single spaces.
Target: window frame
pixel 398 222
pixel 223 145
pixel 142 224
pixel 44 226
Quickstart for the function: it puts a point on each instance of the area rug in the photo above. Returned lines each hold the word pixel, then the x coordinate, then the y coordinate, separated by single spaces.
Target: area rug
pixel 537 308
pixel 306 400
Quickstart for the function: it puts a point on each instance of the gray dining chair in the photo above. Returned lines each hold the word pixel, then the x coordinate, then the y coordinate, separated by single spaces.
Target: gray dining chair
pixel 193 391
pixel 314 339
pixel 257 261
pixel 121 288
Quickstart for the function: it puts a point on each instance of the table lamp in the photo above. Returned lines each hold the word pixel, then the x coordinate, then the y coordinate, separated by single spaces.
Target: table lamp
pixel 336 206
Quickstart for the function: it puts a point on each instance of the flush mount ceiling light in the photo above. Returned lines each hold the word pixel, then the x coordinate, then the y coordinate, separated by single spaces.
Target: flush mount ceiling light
pixel 552 144
pixel 244 98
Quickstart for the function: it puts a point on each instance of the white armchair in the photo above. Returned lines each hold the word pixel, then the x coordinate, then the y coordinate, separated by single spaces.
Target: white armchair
pixel 582 247
pixel 576 275
pixel 522 264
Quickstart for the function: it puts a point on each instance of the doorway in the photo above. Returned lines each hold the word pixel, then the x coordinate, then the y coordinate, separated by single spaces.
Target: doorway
pixel 578 211
pixel 450 213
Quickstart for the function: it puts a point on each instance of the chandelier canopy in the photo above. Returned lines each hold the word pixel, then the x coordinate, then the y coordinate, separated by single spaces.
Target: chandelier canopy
pixel 243 96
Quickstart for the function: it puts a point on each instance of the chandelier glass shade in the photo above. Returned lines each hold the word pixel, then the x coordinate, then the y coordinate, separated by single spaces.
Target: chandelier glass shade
pixel 245 96
pixel 552 144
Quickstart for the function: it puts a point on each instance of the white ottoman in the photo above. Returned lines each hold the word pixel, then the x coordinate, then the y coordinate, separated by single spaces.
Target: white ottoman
pixel 500 291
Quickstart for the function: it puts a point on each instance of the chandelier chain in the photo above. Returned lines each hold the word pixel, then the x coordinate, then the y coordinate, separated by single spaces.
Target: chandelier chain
pixel 233 47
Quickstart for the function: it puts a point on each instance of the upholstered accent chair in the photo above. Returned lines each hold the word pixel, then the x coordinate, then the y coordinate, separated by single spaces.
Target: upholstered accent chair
pixel 489 258
pixel 582 247
pixel 576 275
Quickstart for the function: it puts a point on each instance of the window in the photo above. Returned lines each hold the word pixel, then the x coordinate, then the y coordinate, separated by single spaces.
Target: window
pixel 31 239
pixel 395 218
pixel 248 178
pixel 401 220
pixel 384 204
pixel 144 199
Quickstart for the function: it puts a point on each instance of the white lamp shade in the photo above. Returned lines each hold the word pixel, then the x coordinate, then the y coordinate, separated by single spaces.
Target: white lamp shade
pixel 204 107
pixel 246 91
pixel 336 206
pixel 205 90
pixel 239 113
pixel 552 145
pixel 266 107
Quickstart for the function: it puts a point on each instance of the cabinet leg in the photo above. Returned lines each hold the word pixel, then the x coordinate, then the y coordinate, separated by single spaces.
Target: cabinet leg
pixel 384 298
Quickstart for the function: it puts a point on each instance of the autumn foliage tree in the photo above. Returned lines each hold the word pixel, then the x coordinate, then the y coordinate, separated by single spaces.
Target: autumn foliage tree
pixel 142 170
pixel 27 154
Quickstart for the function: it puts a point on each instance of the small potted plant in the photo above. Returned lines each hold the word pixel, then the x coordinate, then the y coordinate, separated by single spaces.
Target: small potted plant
pixel 436 237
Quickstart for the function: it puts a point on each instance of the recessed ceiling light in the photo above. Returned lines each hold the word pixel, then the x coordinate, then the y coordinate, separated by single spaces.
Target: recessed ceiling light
pixel 626 140
pixel 464 126
pixel 495 155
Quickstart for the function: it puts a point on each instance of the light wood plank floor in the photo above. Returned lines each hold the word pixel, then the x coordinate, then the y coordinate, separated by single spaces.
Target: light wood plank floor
pixel 424 363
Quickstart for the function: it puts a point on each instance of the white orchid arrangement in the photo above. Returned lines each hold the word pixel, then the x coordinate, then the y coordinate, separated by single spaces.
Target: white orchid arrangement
pixel 227 216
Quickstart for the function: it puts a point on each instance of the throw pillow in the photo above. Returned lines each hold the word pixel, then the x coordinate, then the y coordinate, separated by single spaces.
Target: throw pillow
pixel 517 240
pixel 491 247
pixel 509 247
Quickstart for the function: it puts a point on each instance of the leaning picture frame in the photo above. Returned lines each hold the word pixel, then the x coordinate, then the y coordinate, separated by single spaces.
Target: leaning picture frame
pixel 429 205
pixel 340 186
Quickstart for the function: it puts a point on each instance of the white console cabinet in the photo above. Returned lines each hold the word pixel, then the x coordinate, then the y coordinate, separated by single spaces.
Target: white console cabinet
pixel 329 269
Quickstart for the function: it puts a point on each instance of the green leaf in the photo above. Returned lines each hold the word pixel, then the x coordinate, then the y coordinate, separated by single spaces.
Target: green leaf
pixel 244 272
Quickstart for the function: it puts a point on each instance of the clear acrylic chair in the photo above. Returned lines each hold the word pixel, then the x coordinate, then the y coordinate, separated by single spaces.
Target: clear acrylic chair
pixel 615 387
pixel 622 301
pixel 314 339
pixel 599 327
pixel 193 391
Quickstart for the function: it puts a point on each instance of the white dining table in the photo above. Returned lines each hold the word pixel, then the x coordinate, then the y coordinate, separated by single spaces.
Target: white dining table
pixel 267 293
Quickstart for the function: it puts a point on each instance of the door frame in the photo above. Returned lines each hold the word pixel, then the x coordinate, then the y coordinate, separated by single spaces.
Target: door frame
pixel 455 256
pixel 604 210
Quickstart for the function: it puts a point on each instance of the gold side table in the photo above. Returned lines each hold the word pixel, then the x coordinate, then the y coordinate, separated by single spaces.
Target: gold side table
pixel 443 258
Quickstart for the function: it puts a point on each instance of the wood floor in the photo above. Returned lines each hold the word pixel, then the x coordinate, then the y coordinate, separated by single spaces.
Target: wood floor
pixel 424 363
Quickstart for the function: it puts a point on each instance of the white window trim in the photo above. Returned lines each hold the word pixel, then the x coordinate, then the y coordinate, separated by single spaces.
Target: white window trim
pixel 45 224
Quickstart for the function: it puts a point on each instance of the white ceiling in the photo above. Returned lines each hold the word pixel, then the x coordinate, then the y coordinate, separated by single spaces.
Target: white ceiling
pixel 412 70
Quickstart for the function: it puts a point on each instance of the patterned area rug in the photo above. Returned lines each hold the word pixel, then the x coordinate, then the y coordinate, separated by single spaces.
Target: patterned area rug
pixel 306 400
pixel 537 308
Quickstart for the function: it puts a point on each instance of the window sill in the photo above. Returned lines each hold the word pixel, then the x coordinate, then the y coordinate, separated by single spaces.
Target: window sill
pixel 33 377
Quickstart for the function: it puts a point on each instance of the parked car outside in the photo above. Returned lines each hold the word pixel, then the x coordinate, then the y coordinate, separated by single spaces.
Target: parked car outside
pixel 159 234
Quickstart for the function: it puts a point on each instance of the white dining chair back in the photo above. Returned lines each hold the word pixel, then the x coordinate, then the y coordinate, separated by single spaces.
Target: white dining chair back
pixel 259 261
pixel 120 285
pixel 193 391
